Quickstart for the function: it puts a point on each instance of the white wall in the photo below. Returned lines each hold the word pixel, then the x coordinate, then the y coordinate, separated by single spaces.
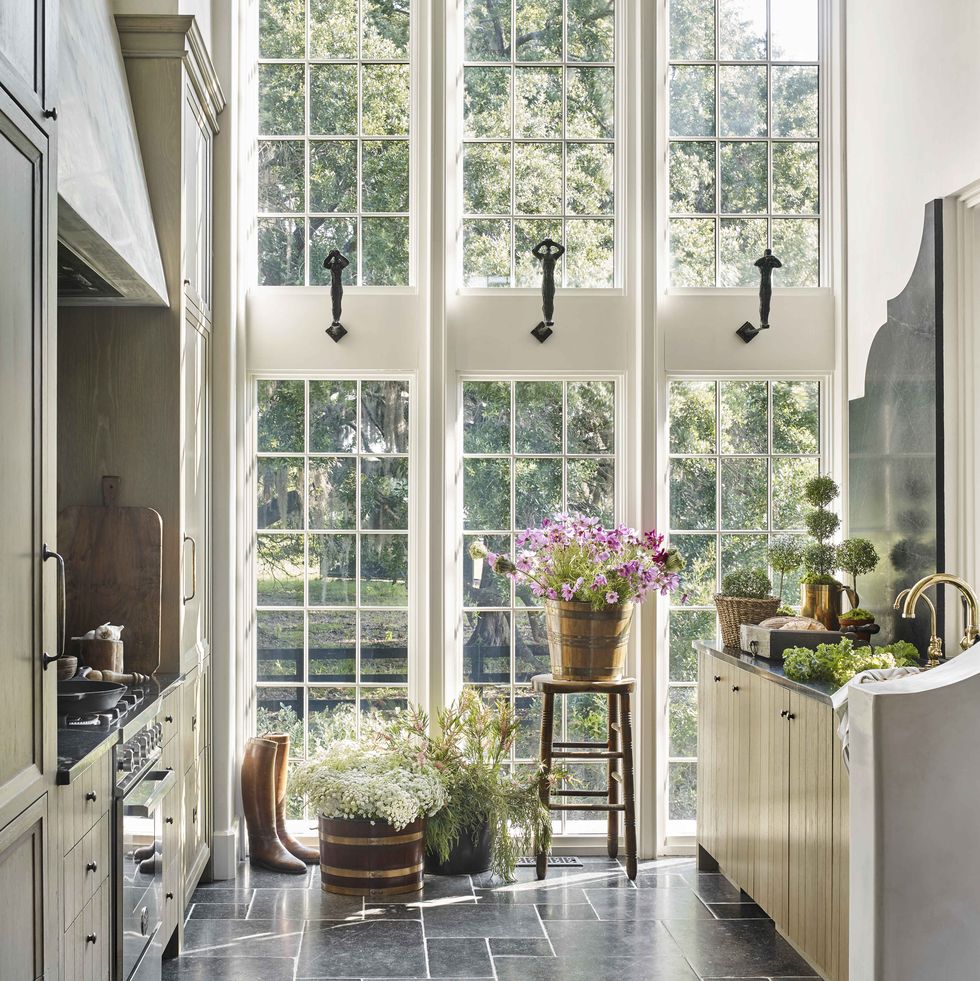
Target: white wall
pixel 913 134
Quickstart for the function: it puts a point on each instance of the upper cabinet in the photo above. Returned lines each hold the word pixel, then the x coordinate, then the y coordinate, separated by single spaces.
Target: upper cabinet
pixel 25 48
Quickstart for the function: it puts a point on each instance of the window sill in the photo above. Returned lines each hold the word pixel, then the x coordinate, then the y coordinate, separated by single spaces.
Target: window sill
pixel 325 290
pixel 746 291
pixel 564 291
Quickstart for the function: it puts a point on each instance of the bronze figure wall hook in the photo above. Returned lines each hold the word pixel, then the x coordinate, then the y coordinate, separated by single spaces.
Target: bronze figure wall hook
pixel 547 252
pixel 336 262
pixel 766 263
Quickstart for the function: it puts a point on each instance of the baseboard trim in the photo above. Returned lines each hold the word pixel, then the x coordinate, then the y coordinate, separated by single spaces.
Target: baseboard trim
pixel 224 853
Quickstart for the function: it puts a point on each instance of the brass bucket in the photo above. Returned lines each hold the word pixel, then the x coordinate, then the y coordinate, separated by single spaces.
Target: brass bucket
pixel 823 603
pixel 587 645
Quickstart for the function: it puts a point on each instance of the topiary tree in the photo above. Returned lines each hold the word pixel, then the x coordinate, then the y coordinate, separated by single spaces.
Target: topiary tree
pixel 785 555
pixel 747 584
pixel 856 556
pixel 820 556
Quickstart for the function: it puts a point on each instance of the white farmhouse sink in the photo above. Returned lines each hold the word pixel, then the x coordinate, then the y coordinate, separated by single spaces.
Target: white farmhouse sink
pixel 915 825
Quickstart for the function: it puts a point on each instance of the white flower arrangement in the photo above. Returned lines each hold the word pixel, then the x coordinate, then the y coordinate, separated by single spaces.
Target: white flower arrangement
pixel 354 782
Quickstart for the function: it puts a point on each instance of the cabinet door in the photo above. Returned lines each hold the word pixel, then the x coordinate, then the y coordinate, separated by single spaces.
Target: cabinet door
pixel 707 724
pixel 27 473
pixel 197 204
pixel 744 691
pixel 196 373
pixel 812 745
pixel 772 853
pixel 24 28
pixel 172 863
pixel 27 918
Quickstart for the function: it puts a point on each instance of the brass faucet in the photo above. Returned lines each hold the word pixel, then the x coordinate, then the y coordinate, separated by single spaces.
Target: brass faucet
pixel 936 655
pixel 972 631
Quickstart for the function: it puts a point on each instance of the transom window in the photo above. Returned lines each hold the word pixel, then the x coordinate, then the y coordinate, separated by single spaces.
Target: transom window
pixel 539 152
pixel 740 455
pixel 531 448
pixel 332 564
pixel 334 120
pixel 744 140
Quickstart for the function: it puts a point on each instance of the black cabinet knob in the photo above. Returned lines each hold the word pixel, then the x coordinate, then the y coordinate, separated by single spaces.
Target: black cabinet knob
pixel 790 716
pixel 92 867
pixel 52 113
pixel 717 677
pixel 734 687
pixel 168 718
pixel 169 820
pixel 170 895
pixel 784 713
pixel 92 796
pixel 90 939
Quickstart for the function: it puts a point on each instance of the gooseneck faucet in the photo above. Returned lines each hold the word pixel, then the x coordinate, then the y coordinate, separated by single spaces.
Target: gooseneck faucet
pixel 936 655
pixel 972 631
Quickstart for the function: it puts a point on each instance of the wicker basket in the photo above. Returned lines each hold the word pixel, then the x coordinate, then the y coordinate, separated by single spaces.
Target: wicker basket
pixel 733 611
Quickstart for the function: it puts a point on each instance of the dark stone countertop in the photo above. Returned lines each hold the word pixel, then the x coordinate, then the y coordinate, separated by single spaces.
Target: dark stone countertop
pixel 78 747
pixel 772 670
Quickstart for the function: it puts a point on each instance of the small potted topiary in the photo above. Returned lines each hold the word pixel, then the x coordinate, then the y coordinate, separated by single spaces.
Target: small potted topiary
pixel 745 597
pixel 785 556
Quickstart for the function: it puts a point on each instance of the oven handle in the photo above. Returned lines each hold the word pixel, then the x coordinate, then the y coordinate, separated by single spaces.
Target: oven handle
pixel 144 807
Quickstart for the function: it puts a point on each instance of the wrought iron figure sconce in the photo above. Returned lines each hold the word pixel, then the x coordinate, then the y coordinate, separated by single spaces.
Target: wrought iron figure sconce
pixel 765 264
pixel 336 262
pixel 547 253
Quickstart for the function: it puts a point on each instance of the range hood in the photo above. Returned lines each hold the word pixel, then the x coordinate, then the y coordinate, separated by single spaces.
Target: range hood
pixel 108 251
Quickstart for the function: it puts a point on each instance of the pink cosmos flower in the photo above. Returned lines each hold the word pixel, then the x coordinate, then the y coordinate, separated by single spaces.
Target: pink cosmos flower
pixel 612 596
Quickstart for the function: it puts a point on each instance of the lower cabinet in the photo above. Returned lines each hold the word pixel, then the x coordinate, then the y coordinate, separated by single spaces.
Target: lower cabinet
pixel 27 926
pixel 772 805
pixel 88 941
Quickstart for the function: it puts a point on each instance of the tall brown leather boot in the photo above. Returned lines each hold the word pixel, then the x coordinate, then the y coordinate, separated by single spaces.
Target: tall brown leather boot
pixel 309 855
pixel 259 801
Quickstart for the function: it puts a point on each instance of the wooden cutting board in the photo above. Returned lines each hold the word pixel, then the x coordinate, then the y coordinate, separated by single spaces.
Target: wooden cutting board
pixel 113 571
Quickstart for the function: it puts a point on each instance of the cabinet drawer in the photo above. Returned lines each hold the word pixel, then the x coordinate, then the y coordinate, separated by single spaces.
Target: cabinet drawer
pixel 194 839
pixel 86 868
pixel 169 717
pixel 85 800
pixel 190 719
pixel 88 941
pixel 171 756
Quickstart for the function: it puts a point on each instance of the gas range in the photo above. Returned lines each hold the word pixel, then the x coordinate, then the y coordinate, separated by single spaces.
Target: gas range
pixel 110 718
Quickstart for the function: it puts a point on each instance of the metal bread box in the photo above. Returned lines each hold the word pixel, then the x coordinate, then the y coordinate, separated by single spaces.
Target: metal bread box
pixel 770 644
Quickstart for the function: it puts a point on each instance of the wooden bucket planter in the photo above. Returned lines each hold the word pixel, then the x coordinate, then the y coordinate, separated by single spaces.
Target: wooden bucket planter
pixel 371 858
pixel 586 645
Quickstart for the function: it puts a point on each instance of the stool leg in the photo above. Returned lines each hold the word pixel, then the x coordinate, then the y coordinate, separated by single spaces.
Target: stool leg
pixel 544 787
pixel 630 801
pixel 612 835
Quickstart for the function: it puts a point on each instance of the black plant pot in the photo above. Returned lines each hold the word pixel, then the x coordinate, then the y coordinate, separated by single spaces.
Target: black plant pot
pixel 466 857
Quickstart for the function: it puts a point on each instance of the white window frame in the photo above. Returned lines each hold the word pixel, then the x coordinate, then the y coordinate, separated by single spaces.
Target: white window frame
pixel 418 192
pixel 417 677
pixel 454 163
pixel 680 837
pixel 830 155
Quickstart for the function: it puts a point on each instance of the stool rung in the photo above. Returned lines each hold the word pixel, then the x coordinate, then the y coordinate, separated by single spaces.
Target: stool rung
pixel 586 807
pixel 579 793
pixel 567 745
pixel 566 755
pixel 616 727
pixel 617 776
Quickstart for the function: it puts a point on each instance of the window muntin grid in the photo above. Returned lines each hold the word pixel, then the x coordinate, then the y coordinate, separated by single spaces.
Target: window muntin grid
pixel 332 564
pixel 549 166
pixel 721 431
pixel 744 173
pixel 547 445
pixel 334 167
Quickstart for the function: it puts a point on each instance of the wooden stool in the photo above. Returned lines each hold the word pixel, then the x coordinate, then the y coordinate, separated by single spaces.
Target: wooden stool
pixel 619 746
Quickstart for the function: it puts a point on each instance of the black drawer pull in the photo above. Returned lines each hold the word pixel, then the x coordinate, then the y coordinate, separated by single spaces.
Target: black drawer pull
pixel 734 687
pixel 170 895
pixel 784 713
pixel 193 723
pixel 790 716
pixel 168 718
pixel 90 939
pixel 92 867
pixel 717 677
pixel 194 816
pixel 92 796
pixel 169 820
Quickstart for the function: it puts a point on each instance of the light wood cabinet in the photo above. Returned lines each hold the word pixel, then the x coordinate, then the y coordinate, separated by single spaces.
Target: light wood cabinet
pixel 772 805
pixel 27 52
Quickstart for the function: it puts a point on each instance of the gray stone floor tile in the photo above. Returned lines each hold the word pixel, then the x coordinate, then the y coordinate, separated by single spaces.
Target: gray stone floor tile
pixel 482 921
pixel 737 948
pixel 738 911
pixel 306 904
pixel 647 904
pixel 219 911
pixel 373 949
pixel 607 969
pixel 520 947
pixel 586 942
pixel 569 911
pixel 459 958
pixel 242 938
pixel 229 969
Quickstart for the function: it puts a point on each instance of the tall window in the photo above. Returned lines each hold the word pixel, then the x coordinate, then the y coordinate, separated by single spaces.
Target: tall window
pixel 744 147
pixel 333 154
pixel 530 448
pixel 331 556
pixel 740 454
pixel 538 156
